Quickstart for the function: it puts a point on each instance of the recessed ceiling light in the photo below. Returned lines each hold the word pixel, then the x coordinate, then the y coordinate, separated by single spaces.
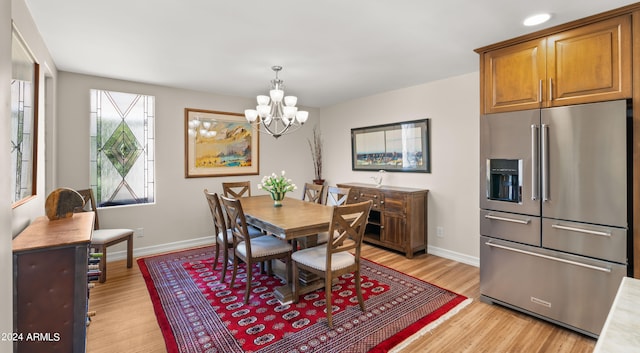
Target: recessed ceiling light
pixel 536 19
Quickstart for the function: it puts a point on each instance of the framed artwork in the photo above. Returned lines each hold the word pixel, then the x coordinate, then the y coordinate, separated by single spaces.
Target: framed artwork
pixel 219 144
pixel 24 122
pixel 397 147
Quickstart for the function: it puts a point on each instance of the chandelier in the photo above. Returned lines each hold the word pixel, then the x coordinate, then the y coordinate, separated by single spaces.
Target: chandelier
pixel 276 114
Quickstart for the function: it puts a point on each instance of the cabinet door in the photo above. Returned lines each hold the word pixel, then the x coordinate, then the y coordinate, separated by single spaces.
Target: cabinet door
pixel 513 77
pixel 590 63
pixel 393 230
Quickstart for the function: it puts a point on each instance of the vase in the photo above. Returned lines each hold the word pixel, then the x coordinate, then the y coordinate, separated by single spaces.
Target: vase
pixel 277 198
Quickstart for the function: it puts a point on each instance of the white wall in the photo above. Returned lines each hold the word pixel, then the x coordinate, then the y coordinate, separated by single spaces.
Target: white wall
pixel 180 213
pixel 453 107
pixel 6 272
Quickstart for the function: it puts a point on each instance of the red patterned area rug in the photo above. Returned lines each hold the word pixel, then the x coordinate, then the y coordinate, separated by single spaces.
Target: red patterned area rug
pixel 199 313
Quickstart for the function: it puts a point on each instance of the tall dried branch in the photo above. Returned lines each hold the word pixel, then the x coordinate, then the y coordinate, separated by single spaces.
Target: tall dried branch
pixel 315 145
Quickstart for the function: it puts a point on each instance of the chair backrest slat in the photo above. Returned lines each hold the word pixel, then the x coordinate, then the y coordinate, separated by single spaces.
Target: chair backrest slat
pixel 236 189
pixel 312 192
pixel 219 223
pixel 87 195
pixel 348 223
pixel 336 196
pixel 237 222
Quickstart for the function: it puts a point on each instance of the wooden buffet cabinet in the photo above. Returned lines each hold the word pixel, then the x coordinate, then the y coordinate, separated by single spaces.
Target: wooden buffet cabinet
pixel 50 284
pixel 592 59
pixel 398 218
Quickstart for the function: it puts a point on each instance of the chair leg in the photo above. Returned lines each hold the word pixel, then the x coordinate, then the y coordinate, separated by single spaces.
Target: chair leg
pixel 235 270
pixel 215 260
pixel 225 258
pixel 103 264
pixel 130 251
pixel 359 290
pixel 247 291
pixel 327 295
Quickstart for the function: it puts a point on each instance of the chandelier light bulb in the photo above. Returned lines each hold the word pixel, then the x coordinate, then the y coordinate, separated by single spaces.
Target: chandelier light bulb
pixel 290 101
pixel 251 115
pixel 302 116
pixel 276 95
pixel 263 110
pixel 263 100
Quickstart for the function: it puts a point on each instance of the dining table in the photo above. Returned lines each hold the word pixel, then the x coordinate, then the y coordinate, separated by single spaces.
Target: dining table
pixel 296 221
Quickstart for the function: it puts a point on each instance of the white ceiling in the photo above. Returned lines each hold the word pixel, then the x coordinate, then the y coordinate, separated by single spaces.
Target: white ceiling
pixel 331 51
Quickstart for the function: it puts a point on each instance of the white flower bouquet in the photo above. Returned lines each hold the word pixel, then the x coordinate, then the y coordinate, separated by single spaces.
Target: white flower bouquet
pixel 277 186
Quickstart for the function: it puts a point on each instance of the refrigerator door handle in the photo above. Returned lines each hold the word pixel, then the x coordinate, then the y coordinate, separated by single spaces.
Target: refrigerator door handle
pixel 581 230
pixel 553 258
pixel 545 162
pixel 513 220
pixel 534 162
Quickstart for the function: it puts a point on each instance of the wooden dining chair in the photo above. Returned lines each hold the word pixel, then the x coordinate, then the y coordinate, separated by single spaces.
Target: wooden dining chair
pixel 312 192
pixel 335 196
pixel 252 250
pixel 236 189
pixel 101 238
pixel 335 259
pixel 224 237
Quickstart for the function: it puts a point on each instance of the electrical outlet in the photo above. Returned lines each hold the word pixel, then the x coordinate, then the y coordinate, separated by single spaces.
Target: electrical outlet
pixel 440 232
pixel 139 232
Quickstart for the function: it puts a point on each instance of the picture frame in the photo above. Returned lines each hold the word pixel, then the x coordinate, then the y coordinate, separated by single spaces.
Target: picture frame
pixel 219 144
pixel 395 147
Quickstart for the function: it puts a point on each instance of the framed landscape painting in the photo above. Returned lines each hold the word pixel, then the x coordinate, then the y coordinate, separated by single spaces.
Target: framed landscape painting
pixel 397 147
pixel 219 144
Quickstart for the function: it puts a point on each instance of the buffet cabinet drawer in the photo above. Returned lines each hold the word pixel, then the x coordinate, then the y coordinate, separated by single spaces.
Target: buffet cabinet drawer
pixel 361 195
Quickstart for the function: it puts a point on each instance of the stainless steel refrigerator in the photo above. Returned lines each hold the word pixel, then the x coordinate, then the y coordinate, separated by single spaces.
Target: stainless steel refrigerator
pixel 554 218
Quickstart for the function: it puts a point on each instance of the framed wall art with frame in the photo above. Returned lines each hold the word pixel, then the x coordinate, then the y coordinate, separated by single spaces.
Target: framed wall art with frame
pixel 396 147
pixel 219 144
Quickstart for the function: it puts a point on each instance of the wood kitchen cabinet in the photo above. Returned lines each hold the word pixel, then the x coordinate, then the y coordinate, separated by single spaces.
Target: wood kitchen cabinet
pixel 398 217
pixel 50 285
pixel 584 64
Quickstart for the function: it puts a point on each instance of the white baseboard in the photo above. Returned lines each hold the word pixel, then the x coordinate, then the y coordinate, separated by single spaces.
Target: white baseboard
pixel 157 249
pixel 191 243
pixel 452 255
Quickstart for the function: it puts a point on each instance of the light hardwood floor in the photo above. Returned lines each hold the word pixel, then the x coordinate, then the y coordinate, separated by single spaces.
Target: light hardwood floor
pixel 125 321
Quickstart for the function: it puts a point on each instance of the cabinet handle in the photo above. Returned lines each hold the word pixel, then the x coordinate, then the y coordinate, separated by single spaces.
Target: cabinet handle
pixel 550 89
pixel 382 202
pixel 540 91
pixel 581 230
pixel 553 258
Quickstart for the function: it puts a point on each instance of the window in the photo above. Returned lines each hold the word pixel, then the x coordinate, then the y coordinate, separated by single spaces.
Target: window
pixel 24 122
pixel 122 148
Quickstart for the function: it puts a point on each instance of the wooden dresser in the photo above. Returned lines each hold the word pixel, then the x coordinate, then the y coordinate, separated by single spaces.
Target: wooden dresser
pixel 50 284
pixel 398 218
